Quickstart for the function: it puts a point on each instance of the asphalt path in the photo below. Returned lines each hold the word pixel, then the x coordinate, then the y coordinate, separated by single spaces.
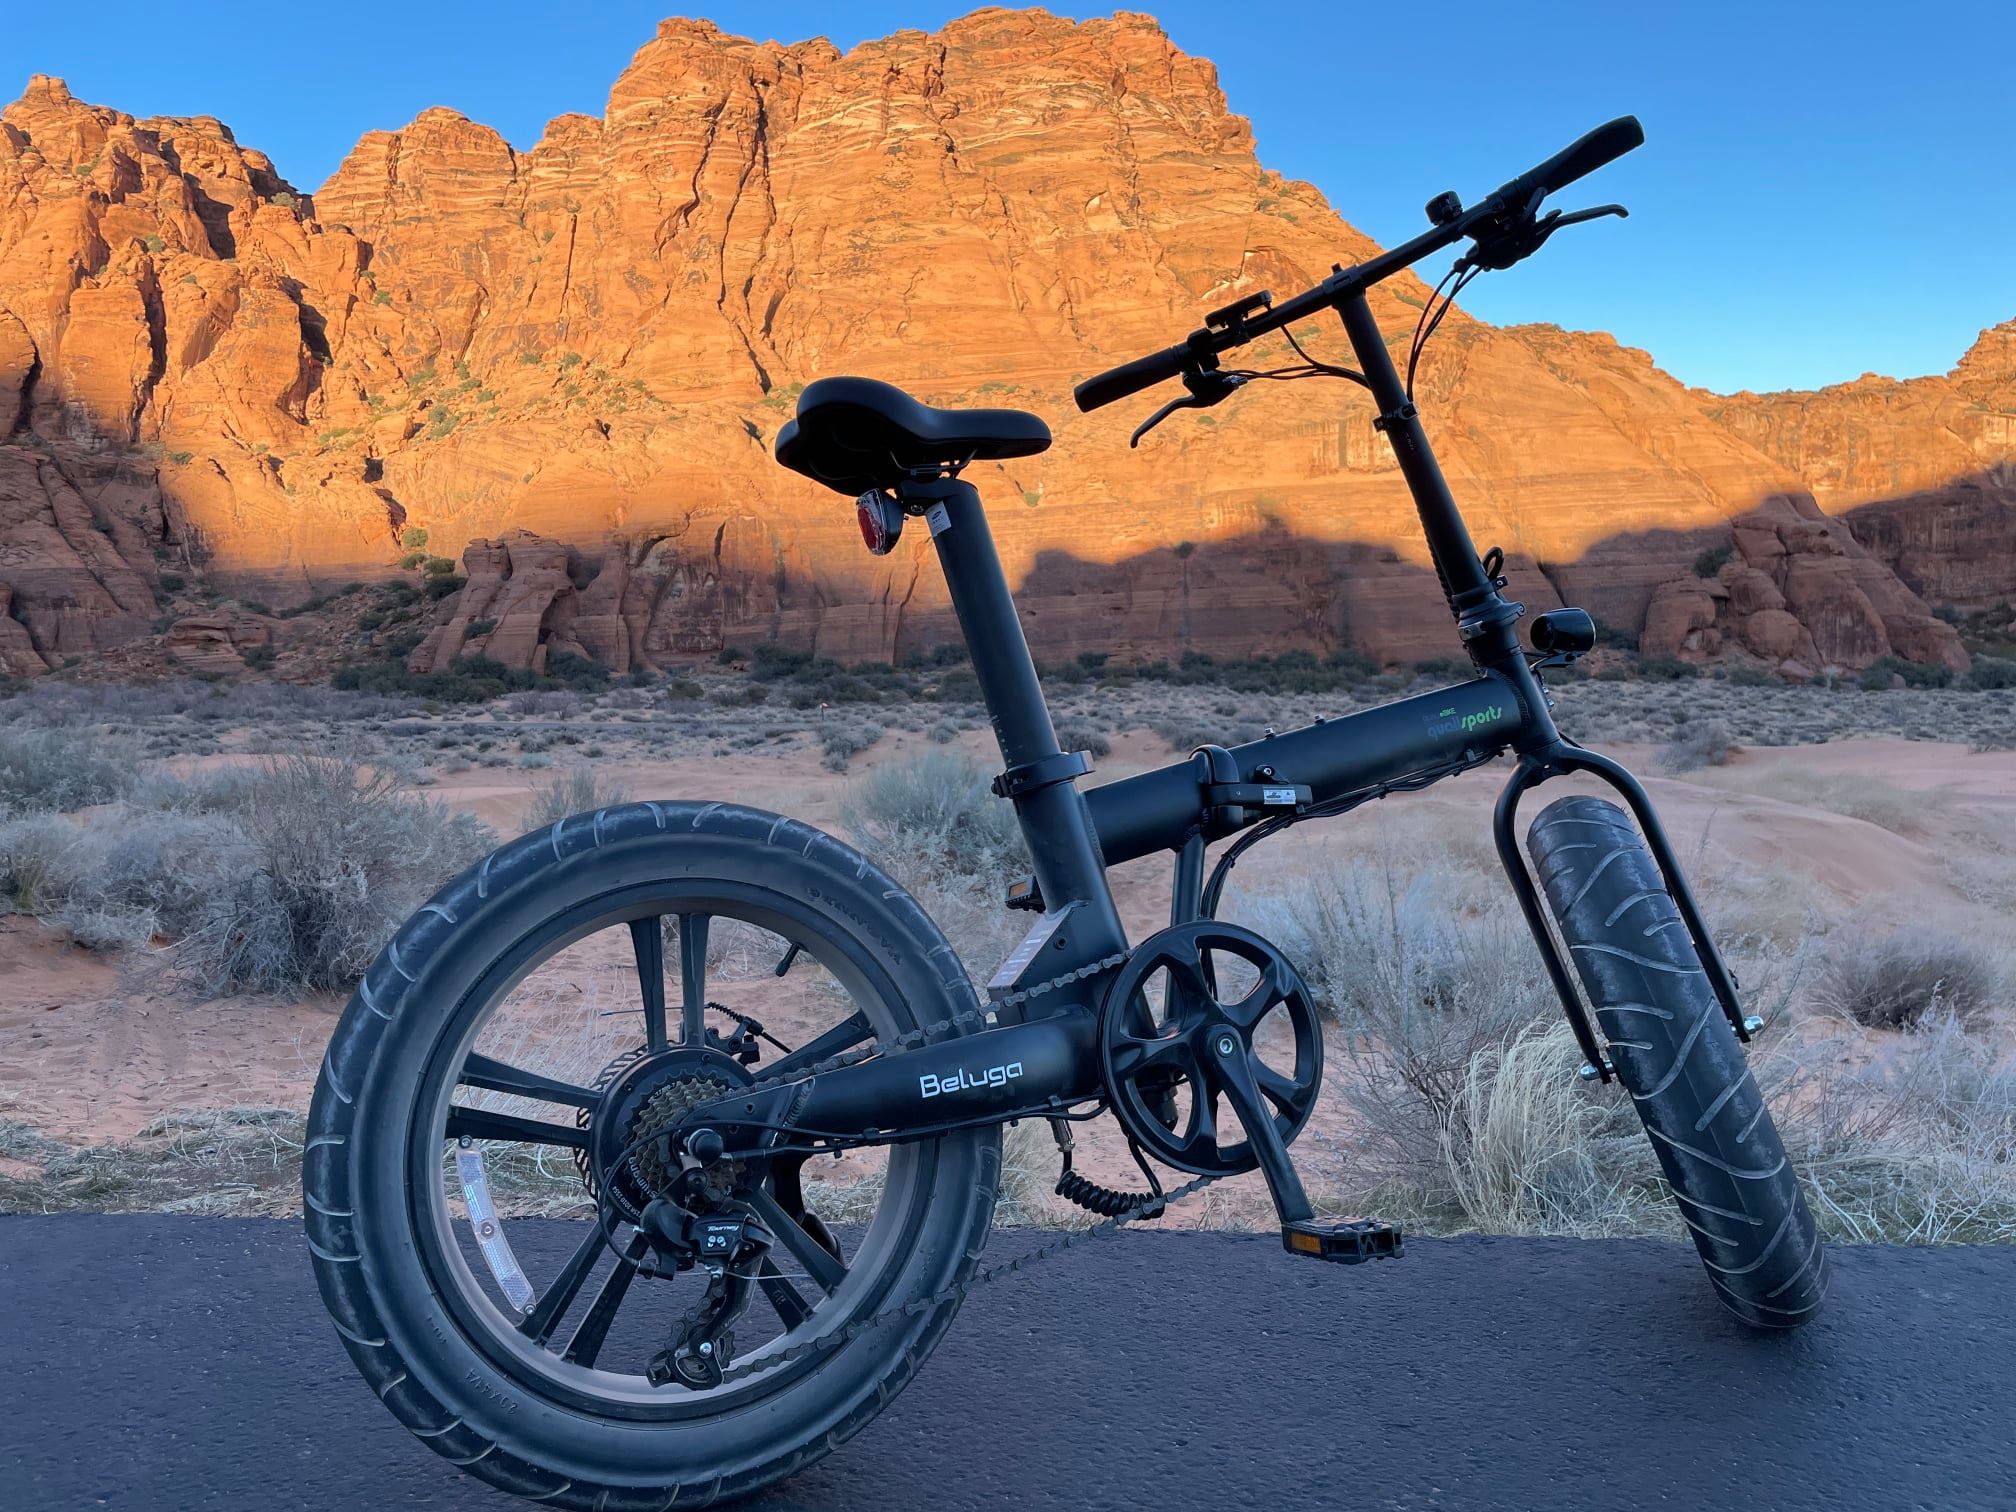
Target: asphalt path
pixel 160 1364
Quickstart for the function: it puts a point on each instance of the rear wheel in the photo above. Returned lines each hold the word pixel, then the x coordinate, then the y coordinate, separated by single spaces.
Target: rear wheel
pixel 501 1057
pixel 1681 1062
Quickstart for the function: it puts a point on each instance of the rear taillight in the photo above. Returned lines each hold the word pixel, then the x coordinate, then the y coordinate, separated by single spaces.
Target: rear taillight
pixel 881 520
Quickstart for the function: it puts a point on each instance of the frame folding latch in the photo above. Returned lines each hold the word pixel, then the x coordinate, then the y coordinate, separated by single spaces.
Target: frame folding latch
pixel 1045 771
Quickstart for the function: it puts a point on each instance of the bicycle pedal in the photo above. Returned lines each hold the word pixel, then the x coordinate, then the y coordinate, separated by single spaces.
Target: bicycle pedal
pixel 1351 1241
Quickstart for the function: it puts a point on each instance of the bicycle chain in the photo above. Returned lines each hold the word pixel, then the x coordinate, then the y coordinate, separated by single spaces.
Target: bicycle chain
pixel 985 1275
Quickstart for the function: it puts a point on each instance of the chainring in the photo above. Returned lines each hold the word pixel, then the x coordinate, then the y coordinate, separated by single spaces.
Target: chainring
pixel 1146 1060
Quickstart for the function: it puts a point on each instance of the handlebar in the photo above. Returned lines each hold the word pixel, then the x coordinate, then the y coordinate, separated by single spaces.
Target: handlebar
pixel 1131 377
pixel 1509 204
pixel 1579 159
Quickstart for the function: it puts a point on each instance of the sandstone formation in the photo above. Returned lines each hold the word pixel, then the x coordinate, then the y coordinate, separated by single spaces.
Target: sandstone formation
pixel 217 642
pixel 1794 589
pixel 574 358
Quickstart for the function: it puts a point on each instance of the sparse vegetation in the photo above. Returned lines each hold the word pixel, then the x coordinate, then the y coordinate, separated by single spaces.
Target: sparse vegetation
pixel 1904 979
pixel 283 876
pixel 1702 743
pixel 60 769
pixel 578 790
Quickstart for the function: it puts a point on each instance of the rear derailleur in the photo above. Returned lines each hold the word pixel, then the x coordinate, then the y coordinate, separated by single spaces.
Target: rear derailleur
pixel 731 1248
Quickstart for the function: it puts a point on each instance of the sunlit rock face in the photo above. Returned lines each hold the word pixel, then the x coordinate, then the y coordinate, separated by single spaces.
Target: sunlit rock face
pixel 567 366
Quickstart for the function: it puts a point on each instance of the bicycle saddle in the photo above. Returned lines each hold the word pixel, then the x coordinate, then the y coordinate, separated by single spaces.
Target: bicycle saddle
pixel 854 434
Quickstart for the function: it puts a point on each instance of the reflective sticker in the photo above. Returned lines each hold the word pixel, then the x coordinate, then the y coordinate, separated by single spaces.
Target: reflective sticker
pixel 489 1232
pixel 1010 970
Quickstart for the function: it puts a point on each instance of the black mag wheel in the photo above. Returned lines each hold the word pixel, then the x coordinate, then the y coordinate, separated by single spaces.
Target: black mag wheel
pixel 504 1054
pixel 1681 1062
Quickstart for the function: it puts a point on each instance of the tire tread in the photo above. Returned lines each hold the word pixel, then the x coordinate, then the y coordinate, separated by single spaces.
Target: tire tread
pixel 1684 1067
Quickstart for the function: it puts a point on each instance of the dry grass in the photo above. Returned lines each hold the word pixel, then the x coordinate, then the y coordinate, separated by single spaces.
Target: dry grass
pixel 1916 1145
pixel 1905 978
pixel 1469 1115
pixel 225 1161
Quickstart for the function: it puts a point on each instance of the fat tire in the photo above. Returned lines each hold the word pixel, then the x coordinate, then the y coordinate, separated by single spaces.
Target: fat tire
pixel 1680 1060
pixel 358 1210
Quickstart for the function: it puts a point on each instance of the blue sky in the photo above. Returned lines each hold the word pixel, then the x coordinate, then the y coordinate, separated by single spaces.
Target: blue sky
pixel 1825 190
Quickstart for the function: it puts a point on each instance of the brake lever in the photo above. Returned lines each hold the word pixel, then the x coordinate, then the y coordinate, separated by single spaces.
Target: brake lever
pixel 1207 386
pixel 1520 239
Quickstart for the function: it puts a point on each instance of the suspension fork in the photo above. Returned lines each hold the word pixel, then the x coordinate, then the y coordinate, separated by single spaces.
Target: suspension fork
pixel 1558 759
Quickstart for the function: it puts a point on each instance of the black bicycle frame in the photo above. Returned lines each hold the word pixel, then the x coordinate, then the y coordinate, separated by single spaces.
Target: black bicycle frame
pixel 1041 1060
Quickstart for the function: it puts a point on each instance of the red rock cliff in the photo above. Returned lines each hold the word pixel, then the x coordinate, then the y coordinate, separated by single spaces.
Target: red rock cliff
pixel 576 357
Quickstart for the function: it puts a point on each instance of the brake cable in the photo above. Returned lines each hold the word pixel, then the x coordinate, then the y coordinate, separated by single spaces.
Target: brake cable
pixel 1211 386
pixel 1425 327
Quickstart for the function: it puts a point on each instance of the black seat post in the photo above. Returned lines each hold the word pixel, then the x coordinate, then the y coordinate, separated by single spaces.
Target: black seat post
pixel 1052 812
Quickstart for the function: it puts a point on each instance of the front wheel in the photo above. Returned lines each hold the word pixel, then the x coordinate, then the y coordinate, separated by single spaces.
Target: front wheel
pixel 1681 1062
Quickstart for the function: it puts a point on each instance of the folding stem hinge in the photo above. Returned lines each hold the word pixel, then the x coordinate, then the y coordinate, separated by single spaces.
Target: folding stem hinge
pixel 1045 771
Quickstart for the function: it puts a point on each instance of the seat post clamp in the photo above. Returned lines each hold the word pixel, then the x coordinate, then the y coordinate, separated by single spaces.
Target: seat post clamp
pixel 1045 771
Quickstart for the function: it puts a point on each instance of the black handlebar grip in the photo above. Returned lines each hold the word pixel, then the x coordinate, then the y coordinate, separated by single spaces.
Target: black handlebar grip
pixel 1130 377
pixel 1605 144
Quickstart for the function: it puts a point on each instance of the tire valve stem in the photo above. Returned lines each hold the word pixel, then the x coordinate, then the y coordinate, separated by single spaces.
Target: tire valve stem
pixel 1752 1024
pixel 1589 1073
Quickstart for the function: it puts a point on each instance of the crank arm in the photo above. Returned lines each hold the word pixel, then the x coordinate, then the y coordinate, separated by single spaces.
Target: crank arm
pixel 1025 1070
pixel 1228 1066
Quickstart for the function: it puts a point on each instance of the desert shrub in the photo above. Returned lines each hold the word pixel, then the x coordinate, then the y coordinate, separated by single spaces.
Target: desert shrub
pixel 574 791
pixel 286 875
pixel 933 824
pixel 42 769
pixel 1665 669
pixel 841 740
pixel 1898 980
pixel 1187 733
pixel 1886 671
pixel 1712 561
pixel 577 671
pixel 1992 673
pixel 1705 744
pixel 1078 735
pixel 935 812
pixel 1916 1145
pixel 955 685
pixel 31 852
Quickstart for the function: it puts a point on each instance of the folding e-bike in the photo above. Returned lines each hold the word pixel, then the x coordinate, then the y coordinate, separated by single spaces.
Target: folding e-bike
pixel 710 1332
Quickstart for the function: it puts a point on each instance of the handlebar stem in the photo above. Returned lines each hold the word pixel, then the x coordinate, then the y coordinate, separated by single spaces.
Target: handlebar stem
pixel 1449 543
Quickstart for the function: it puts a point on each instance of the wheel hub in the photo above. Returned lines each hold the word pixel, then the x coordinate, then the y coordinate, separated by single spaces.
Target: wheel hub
pixel 646 1092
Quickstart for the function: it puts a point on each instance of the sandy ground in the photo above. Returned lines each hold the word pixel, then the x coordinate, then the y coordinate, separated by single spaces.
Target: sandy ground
pixel 90 1051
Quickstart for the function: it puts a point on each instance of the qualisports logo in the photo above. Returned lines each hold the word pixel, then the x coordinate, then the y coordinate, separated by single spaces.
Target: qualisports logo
pixel 963 1080
pixel 1449 721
